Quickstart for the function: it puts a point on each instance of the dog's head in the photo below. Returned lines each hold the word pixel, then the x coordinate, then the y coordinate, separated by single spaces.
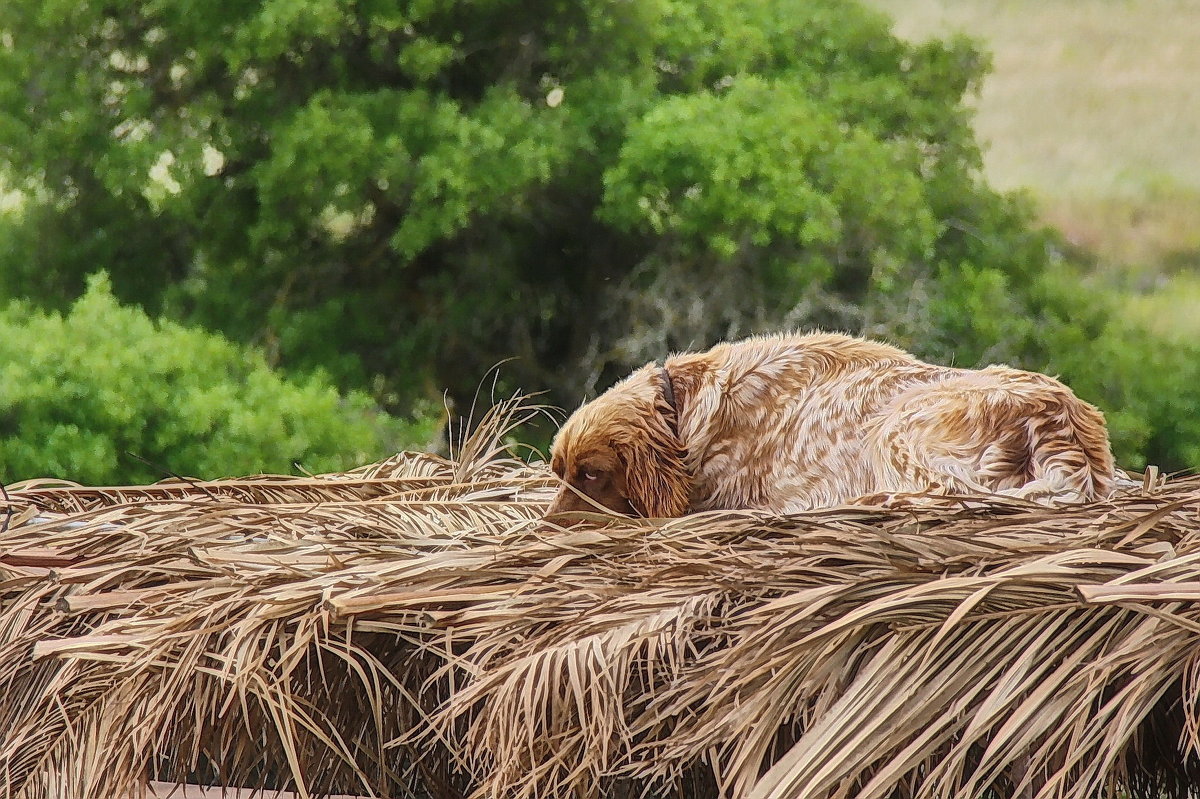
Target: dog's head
pixel 621 452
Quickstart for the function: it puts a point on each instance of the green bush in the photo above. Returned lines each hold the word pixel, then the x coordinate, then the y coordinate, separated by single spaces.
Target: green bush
pixel 88 395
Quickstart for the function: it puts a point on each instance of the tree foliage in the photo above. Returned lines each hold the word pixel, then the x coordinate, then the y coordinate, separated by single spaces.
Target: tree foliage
pixel 372 186
pixel 405 193
pixel 105 394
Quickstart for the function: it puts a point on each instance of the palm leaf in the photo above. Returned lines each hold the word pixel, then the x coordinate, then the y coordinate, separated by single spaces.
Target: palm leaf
pixel 411 629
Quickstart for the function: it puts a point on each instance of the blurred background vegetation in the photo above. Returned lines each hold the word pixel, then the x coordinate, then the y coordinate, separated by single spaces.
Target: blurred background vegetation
pixel 1093 107
pixel 235 237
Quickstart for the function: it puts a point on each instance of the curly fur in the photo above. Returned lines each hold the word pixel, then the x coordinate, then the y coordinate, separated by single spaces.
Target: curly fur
pixel 791 422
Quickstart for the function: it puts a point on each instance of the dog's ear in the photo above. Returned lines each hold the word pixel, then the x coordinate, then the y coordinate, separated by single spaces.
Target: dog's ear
pixel 656 479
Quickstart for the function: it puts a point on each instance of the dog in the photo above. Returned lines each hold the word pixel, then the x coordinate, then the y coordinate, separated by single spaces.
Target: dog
pixel 788 423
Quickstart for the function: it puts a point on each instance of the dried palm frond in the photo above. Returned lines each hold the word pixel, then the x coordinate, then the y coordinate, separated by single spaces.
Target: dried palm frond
pixel 412 629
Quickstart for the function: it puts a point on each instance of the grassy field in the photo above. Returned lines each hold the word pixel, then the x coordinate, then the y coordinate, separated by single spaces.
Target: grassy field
pixel 1094 108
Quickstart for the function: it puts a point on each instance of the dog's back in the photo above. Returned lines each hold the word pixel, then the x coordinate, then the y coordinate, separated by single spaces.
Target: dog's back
pixel 996 430
pixel 792 422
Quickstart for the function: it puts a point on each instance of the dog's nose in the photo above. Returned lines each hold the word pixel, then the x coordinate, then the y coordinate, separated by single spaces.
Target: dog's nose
pixel 564 510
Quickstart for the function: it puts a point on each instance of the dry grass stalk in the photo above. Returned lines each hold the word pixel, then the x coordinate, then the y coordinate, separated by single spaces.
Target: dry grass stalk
pixel 431 640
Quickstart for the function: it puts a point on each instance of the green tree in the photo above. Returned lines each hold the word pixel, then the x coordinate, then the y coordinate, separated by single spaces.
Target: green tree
pixel 106 395
pixel 368 186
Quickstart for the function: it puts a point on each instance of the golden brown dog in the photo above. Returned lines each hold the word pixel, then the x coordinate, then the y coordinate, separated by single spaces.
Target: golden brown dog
pixel 792 422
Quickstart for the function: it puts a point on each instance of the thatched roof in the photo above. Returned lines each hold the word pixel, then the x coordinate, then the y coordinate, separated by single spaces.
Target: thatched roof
pixel 409 629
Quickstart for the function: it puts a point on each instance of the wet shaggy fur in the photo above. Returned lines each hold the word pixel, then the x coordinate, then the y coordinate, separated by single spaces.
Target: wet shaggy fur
pixel 792 422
